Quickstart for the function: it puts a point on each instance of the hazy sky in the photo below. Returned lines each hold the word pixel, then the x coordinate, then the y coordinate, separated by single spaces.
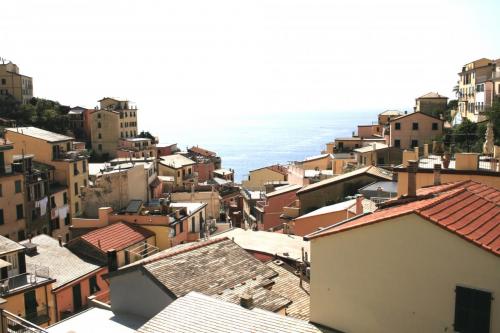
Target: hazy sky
pixel 240 57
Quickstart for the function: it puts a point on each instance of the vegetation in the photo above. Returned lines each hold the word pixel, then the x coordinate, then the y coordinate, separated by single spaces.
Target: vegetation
pixel 43 113
pixel 469 136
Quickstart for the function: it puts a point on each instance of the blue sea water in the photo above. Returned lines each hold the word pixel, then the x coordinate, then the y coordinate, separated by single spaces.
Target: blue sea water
pixel 247 142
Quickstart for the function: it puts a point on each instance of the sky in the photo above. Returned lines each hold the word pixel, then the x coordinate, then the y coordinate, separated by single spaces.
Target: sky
pixel 202 60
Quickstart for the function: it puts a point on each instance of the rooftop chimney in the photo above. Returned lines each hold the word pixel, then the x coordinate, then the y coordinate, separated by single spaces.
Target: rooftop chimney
pixel 246 301
pixel 359 204
pixel 426 150
pixel 412 178
pixel 437 174
pixel 112 261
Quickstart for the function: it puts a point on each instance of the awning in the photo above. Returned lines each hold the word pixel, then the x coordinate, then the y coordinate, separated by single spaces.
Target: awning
pixel 4 263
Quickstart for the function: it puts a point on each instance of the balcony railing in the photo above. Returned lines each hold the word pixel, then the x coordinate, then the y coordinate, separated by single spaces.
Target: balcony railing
pixel 13 324
pixel 189 176
pixel 23 281
pixel 71 155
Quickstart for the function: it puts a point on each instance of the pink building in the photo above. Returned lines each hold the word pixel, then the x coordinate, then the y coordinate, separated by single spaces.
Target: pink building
pixel 269 210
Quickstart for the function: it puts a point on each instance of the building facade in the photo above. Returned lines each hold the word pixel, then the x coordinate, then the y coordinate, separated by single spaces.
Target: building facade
pixel 17 85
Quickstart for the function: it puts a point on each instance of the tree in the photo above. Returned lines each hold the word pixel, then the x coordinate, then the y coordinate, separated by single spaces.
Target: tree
pixel 493 115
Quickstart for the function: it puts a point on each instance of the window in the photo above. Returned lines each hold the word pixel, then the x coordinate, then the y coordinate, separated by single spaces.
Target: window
pixel 77 207
pixel 472 310
pixel 84 166
pixel 99 136
pixel 54 224
pixel 75 168
pixel 4 81
pixel 99 115
pixel 1 217
pixel 18 186
pixel 85 182
pixel 414 143
pixel 435 126
pixel 20 235
pixel 193 224
pixel 397 126
pixel 99 125
pixel 65 198
pixel 414 126
pixel 20 211
pixel 52 202
pixel 76 188
pixel 181 227
pixel 94 287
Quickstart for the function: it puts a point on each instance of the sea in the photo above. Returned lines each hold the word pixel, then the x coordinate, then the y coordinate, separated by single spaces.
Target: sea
pixel 248 142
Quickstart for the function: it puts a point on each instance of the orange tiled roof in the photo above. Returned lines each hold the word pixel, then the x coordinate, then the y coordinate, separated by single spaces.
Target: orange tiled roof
pixel 116 236
pixel 202 152
pixel 469 209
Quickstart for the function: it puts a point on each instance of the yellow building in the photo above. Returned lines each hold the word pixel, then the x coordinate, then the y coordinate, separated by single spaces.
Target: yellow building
pixel 429 265
pixel 56 150
pixel 179 167
pixel 12 190
pixel 471 103
pixel 414 130
pixel 320 162
pixel 15 84
pixel 259 177
pixel 114 120
pixel 27 295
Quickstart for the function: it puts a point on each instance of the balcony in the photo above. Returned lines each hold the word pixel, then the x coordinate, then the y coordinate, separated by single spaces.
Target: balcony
pixel 73 155
pixel 189 177
pixel 24 281
pixel 14 324
pixel 38 317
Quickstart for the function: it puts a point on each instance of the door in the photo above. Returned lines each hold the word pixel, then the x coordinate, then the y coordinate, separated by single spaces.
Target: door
pixel 77 298
pixel 30 304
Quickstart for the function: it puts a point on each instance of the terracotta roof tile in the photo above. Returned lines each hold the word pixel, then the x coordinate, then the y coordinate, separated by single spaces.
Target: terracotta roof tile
pixel 116 236
pixel 468 209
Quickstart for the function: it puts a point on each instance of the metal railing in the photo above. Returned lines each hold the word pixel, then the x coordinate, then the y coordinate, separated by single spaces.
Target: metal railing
pixel 10 323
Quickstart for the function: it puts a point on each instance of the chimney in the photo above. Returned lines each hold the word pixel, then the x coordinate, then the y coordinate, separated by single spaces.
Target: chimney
pixel 246 301
pixel 415 149
pixel 178 214
pixel 412 178
pixel 59 238
pixel 359 204
pixel 437 174
pixel 426 150
pixel 112 261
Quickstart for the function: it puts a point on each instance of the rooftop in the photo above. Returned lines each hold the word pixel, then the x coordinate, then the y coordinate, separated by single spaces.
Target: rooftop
pixel 202 152
pixel 330 209
pixel 7 245
pixel 283 189
pixel 223 171
pixel 98 320
pixel 272 243
pixel 386 186
pixel 276 167
pixel 287 284
pixel 41 134
pixel 176 161
pixel 469 209
pixel 209 267
pixel 391 113
pixel 432 95
pixel 370 170
pixel 372 147
pixel 191 207
pixel 317 157
pixel 64 265
pixel 229 318
pixel 116 236
pixel 485 164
